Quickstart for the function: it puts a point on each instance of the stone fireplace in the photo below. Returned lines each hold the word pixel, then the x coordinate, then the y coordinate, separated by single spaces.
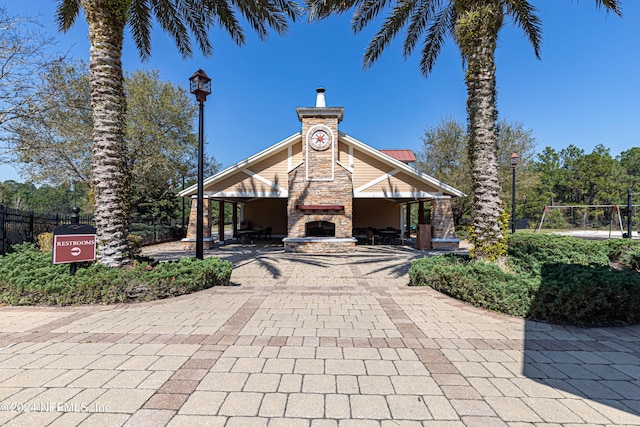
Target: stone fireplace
pixel 320 206
pixel 320 229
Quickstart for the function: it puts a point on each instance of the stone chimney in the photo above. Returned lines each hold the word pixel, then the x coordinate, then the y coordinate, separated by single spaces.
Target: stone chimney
pixel 320 190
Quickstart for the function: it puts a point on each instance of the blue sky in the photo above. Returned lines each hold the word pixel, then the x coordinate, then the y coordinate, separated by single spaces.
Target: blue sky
pixel 584 91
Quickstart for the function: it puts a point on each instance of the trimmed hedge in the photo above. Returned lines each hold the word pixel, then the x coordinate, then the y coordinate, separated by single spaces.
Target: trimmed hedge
pixel 557 279
pixel 481 284
pixel 27 277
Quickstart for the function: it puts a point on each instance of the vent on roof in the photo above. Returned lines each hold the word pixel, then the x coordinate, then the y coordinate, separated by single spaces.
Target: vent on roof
pixel 320 100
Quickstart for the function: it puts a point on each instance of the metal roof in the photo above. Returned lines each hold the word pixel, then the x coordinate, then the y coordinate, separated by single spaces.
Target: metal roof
pixel 405 156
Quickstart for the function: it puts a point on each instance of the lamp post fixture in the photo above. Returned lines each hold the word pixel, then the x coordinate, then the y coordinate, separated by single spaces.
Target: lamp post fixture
pixel 200 86
pixel 629 212
pixel 514 162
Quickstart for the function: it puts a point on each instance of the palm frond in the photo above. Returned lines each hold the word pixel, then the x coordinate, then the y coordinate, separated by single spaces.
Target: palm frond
pixel 321 9
pixel 423 14
pixel 67 13
pixel 140 22
pixel 394 23
pixel 169 18
pixel 254 16
pixel 366 12
pixel 524 15
pixel 290 8
pixel 199 22
pixel 443 24
pixel 266 13
pixel 614 6
pixel 274 16
pixel 226 19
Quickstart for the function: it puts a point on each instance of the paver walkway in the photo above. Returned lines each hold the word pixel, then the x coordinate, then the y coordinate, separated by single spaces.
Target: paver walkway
pixel 313 341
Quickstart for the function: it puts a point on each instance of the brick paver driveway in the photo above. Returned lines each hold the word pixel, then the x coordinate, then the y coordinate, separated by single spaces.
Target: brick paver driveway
pixel 311 341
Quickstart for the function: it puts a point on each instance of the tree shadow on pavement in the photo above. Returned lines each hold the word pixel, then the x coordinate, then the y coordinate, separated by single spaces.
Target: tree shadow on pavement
pixel 599 364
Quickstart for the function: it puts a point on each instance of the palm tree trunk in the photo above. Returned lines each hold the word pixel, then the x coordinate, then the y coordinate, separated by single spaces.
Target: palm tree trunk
pixel 477 31
pixel 110 177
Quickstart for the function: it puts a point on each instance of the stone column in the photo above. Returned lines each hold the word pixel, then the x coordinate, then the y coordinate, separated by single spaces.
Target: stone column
pixel 444 233
pixel 189 243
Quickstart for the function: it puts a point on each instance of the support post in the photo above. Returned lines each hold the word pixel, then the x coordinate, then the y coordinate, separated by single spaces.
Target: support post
pixel 3 240
pixel 408 220
pixel 221 220
pixel 75 219
pixel 31 227
pixel 235 219
pixel 629 214
pixel 513 202
pixel 199 207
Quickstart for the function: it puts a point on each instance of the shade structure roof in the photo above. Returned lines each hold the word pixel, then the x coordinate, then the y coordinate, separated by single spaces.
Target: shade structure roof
pixel 375 174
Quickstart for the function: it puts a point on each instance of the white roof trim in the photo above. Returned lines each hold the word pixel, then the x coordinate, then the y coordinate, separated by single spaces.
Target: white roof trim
pixel 395 195
pixel 352 142
pixel 244 163
pixel 245 194
pixel 399 165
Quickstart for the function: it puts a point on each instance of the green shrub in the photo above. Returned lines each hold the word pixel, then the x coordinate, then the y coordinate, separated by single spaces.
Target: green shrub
pixel 587 296
pixel 27 277
pixel 625 252
pixel 556 278
pixel 529 252
pixel 478 283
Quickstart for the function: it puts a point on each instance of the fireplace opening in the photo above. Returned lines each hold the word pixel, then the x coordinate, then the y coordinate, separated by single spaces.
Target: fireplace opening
pixel 320 229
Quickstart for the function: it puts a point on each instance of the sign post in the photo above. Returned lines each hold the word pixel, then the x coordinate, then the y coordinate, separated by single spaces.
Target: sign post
pixel 74 243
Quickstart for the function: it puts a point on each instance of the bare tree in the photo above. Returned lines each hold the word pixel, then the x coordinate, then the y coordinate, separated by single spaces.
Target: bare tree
pixel 23 51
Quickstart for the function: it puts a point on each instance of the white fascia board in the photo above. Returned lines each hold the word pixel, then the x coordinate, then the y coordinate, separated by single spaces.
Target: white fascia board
pixel 244 163
pixel 245 194
pixel 395 195
pixel 399 165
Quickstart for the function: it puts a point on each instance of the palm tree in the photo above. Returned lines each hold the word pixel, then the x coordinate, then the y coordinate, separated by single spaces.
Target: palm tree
pixel 474 25
pixel 107 20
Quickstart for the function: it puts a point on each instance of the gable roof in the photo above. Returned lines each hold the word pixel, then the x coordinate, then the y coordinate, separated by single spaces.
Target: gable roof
pixel 274 190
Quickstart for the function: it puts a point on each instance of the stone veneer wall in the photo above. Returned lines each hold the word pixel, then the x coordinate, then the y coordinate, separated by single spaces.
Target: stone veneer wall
pixel 321 245
pixel 444 233
pixel 336 192
pixel 320 181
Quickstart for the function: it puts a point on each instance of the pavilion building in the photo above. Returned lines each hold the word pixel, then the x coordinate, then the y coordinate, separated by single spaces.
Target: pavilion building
pixel 320 189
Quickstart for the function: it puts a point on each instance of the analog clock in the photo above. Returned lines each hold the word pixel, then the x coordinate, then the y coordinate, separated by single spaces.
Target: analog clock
pixel 320 140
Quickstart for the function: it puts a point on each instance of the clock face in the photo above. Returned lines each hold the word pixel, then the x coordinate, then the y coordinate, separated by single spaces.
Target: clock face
pixel 320 140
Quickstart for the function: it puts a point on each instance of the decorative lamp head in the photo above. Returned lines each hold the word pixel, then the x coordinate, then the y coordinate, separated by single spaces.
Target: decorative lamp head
pixel 514 160
pixel 200 85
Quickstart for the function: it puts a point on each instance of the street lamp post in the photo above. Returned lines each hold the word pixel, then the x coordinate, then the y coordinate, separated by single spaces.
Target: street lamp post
pixel 514 162
pixel 629 212
pixel 200 85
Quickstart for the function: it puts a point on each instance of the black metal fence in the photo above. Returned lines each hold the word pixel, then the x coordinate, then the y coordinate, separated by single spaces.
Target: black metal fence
pixel 18 226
